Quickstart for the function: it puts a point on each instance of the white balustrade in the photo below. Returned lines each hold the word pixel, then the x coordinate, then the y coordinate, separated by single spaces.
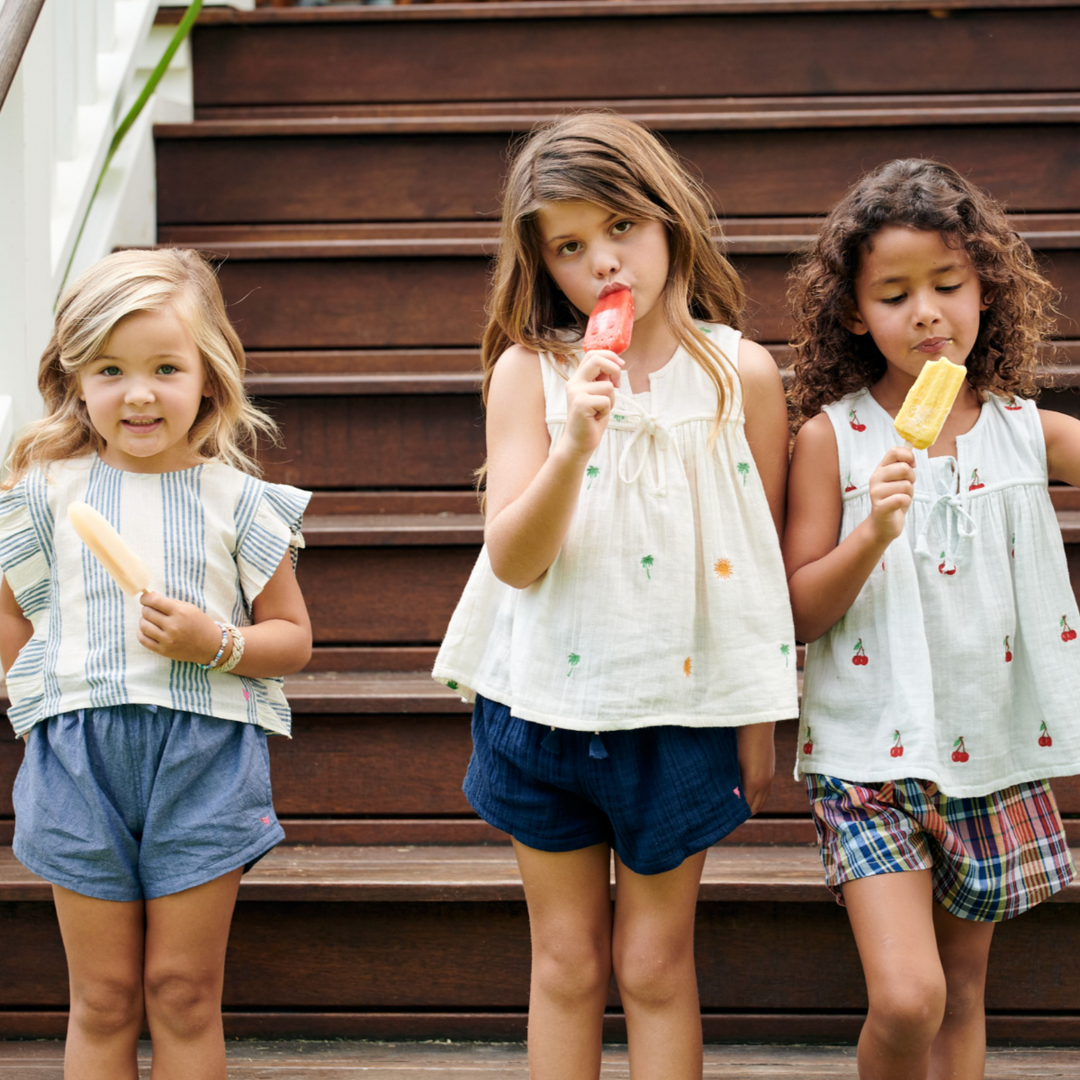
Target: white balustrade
pixel 83 67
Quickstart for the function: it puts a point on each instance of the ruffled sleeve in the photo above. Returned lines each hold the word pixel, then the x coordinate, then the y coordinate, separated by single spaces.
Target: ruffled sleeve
pixel 26 542
pixel 273 527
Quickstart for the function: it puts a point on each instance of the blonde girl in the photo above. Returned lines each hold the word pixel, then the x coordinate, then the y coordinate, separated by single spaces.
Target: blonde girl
pixel 144 792
pixel 625 634
pixel 942 675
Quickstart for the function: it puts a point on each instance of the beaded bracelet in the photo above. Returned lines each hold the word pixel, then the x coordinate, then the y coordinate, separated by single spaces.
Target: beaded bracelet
pixel 237 653
pixel 220 652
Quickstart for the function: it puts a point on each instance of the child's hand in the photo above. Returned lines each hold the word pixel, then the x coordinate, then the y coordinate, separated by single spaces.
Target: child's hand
pixel 892 486
pixel 757 763
pixel 590 397
pixel 178 630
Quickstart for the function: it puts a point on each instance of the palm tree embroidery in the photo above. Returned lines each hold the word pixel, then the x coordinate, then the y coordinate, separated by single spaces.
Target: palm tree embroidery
pixel 704 329
pixel 451 684
pixel 646 563
pixel 744 471
pixel 592 472
pixel 573 659
pixel 785 652
pixel 618 416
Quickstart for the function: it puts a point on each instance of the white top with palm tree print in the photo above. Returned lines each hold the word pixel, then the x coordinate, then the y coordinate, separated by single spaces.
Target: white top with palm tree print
pixel 959 661
pixel 667 603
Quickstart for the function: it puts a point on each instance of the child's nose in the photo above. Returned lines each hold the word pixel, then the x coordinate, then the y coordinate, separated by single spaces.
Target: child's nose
pixel 605 262
pixel 138 392
pixel 927 310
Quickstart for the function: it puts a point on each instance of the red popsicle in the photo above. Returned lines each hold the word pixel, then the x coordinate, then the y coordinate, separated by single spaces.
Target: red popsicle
pixel 611 323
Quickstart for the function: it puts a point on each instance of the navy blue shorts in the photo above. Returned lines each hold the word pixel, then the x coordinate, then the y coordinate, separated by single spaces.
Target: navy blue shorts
pixel 133 802
pixel 660 795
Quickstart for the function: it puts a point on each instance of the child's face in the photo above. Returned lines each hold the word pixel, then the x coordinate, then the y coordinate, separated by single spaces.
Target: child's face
pixel 144 391
pixel 917 298
pixel 587 248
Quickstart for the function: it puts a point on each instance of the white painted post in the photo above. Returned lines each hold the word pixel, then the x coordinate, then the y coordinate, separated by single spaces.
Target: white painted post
pixel 86 51
pixel 63 66
pixel 106 27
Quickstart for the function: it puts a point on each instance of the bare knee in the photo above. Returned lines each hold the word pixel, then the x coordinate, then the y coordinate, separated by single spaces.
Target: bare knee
pixel 653 973
pixel 185 1002
pixel 105 1006
pixel 572 967
pixel 908 1013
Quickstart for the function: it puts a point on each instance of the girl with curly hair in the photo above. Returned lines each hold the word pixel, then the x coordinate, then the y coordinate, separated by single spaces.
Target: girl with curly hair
pixel 943 673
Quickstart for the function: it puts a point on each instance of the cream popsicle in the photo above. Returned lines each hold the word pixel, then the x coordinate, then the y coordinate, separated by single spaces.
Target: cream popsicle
pixel 105 544
pixel 929 402
pixel 611 323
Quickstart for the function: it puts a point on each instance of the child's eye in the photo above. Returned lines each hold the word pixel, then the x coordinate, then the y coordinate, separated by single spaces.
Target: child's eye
pixel 571 247
pixel 948 288
pixel 112 369
pixel 166 369
pixel 893 299
pixel 621 227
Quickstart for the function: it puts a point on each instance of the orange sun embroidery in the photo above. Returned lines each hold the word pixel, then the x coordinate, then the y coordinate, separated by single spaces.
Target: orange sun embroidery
pixel 723 568
pixel 686 667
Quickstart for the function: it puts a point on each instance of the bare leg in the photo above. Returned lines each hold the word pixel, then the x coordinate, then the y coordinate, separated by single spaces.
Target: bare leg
pixel 186 936
pixel 569 898
pixel 103 940
pixel 892 917
pixel 653 954
pixel 959 1051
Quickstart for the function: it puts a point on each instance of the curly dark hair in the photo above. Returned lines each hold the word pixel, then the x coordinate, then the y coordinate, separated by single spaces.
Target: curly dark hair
pixel 831 361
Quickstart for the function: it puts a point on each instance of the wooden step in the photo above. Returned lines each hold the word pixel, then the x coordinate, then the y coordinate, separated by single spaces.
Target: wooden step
pixel 382 168
pixel 379 757
pixel 345 1060
pixel 423 286
pixel 323 938
pixel 365 419
pixel 531 51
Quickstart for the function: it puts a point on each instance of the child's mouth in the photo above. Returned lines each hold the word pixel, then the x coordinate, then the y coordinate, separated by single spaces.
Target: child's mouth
pixel 142 425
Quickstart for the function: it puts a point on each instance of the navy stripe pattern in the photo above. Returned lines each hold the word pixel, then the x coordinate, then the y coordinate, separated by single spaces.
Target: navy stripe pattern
pixel 185 577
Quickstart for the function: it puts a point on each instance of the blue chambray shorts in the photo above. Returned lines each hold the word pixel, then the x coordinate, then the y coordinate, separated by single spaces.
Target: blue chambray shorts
pixel 133 802
pixel 660 795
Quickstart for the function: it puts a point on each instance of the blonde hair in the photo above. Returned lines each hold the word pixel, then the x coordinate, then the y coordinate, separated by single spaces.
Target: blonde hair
pixel 227 426
pixel 611 162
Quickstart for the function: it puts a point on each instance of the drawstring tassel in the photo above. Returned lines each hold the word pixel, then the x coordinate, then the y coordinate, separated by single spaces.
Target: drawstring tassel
pixel 551 742
pixel 597 749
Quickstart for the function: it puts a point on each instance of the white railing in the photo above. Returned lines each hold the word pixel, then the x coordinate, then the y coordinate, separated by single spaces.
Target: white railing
pixel 83 66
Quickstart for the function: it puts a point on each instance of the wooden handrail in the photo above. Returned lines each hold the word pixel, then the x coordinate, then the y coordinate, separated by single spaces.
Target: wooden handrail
pixel 17 21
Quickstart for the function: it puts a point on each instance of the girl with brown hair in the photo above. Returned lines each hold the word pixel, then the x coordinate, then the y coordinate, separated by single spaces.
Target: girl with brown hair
pixel 626 634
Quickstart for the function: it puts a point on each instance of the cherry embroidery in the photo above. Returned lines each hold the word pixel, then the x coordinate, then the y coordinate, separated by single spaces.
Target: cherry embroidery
pixel 860 659
pixel 941 566
pixel 959 752
pixel 849 486
pixel 1012 406
pixel 808 746
pixel 1008 652
pixel 853 419
pixel 1044 735
pixel 976 483
pixel 897 746
pixel 1067 632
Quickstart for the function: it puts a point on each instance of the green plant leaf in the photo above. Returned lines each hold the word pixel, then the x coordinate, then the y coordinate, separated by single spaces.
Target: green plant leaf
pixel 182 31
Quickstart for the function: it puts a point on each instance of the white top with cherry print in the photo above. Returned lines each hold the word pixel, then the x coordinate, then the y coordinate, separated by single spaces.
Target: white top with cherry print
pixel 667 603
pixel 958 662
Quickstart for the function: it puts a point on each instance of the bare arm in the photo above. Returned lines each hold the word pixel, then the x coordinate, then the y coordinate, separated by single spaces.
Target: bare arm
pixel 825 577
pixel 531 493
pixel 15 628
pixel 767 434
pixel 1062 435
pixel 279 642
pixel 766 423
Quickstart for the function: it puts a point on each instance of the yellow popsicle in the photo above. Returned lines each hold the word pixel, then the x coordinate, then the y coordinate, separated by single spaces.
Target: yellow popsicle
pixel 105 544
pixel 929 401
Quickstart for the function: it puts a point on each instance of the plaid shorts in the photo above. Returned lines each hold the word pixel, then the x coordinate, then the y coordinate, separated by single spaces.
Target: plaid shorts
pixel 992 857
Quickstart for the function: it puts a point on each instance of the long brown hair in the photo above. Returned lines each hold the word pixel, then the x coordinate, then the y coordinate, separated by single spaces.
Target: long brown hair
pixel 611 162
pixel 832 362
pixel 227 426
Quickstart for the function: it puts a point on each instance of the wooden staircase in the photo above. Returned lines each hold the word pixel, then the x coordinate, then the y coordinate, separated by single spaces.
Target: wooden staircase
pixel 344 167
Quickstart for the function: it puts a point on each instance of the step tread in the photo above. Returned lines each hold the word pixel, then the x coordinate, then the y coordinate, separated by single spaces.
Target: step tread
pixel 561 9
pixel 778 235
pixel 662 114
pixel 477 874
pixel 348 1060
